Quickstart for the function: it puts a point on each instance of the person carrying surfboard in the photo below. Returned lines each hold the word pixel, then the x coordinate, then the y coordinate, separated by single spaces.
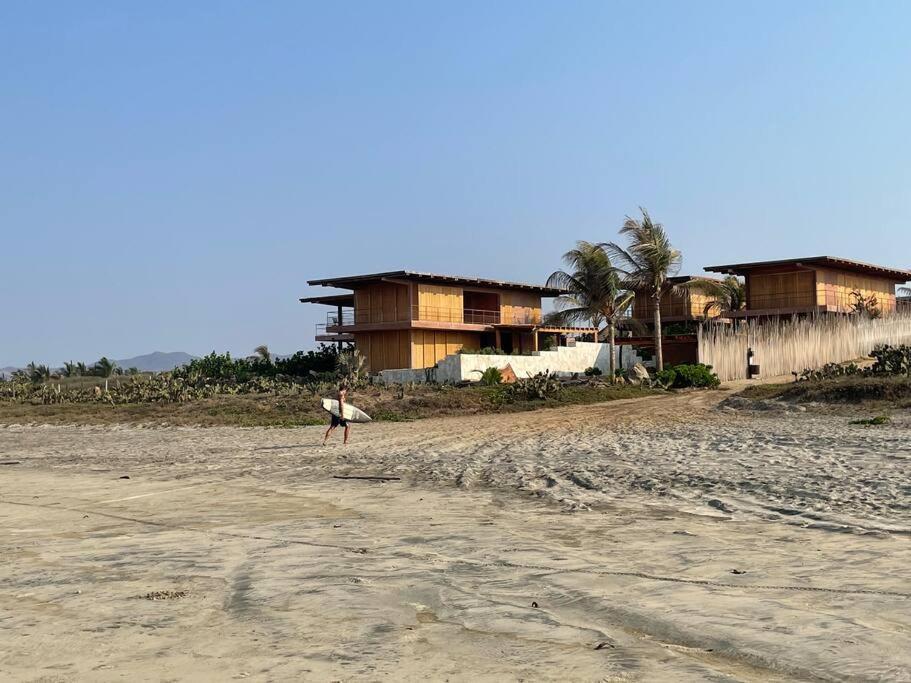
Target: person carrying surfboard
pixel 339 420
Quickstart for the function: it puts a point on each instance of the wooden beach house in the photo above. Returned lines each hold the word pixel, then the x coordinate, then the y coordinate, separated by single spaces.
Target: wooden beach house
pixel 404 319
pixel 817 284
pixel 684 305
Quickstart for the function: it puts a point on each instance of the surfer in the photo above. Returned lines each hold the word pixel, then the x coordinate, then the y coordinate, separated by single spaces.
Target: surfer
pixel 339 420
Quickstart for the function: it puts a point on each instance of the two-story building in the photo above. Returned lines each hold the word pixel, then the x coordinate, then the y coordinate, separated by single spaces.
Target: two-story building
pixel 817 284
pixel 404 319
pixel 680 305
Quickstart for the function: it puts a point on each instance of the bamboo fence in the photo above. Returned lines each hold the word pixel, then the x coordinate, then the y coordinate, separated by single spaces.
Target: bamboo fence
pixel 784 346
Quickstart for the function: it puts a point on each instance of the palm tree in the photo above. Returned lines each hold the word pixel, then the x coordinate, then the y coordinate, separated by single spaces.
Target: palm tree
pixel 38 373
pixel 593 292
pixel 263 352
pixel 70 370
pixel 647 265
pixel 104 367
pixel 727 295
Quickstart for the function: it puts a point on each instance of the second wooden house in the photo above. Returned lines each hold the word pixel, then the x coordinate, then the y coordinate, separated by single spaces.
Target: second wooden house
pixel 816 284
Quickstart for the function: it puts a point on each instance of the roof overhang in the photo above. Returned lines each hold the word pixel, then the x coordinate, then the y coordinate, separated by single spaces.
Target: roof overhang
pixel 331 300
pixel 835 262
pixel 683 279
pixel 357 281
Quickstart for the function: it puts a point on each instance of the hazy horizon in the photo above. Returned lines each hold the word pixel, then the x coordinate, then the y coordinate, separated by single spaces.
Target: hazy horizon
pixel 172 175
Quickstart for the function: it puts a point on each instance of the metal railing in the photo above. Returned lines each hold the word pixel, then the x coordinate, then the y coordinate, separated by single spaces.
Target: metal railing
pixel 333 319
pixel 674 309
pixel 469 316
pixel 784 300
pixel 475 316
pixel 466 316
pixel 323 331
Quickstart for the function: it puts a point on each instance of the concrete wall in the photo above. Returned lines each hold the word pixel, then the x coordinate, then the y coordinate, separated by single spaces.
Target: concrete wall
pixel 565 361
pixel 406 376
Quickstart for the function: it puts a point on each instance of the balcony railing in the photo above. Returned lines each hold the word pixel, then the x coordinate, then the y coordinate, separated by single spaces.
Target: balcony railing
pixel 465 316
pixel 669 310
pixel 324 334
pixel 785 300
pixel 468 316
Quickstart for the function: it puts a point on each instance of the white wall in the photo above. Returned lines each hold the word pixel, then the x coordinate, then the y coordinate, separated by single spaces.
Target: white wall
pixel 565 360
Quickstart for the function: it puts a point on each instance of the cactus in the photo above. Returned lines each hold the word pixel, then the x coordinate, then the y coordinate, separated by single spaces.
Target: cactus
pixel 542 386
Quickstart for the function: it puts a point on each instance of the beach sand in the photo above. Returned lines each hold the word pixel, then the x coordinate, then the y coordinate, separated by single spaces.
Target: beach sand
pixel 658 539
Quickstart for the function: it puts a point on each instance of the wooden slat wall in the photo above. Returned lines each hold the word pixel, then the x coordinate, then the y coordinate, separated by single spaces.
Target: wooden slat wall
pixel 698 302
pixel 688 304
pixel 521 306
pixel 834 287
pixel 387 350
pixel 428 347
pixel 439 303
pixel 382 302
pixel 790 289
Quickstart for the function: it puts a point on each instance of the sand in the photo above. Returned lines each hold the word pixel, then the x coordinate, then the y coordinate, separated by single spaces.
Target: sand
pixel 647 540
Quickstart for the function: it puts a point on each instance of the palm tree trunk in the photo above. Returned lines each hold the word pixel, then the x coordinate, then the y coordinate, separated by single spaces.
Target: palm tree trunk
pixel 612 366
pixel 659 352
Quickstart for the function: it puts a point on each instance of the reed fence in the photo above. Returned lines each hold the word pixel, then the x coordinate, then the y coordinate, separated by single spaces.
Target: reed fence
pixel 793 345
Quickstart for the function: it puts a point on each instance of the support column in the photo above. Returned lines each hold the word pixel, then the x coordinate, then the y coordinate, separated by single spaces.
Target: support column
pixel 339 320
pixel 498 338
pixel 534 334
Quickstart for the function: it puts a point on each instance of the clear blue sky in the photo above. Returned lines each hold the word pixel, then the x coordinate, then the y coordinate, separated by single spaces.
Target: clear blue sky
pixel 171 173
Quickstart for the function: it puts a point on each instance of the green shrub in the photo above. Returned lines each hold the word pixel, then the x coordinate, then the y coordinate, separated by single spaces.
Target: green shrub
pixel 688 375
pixel 486 351
pixel 666 377
pixel 593 372
pixel 829 371
pixel 216 366
pixel 491 377
pixel 888 360
pixel 878 420
pixel 323 360
pixel 892 360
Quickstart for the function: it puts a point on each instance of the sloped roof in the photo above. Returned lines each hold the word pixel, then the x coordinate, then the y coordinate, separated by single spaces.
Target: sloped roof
pixel 355 281
pixel 829 261
pixel 330 300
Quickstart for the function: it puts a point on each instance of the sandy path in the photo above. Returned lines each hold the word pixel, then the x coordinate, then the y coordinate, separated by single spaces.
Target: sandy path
pixel 623 522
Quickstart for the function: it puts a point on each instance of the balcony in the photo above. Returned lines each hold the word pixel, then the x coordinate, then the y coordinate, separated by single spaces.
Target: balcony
pixel 465 316
pixel 450 316
pixel 681 310
pixel 327 336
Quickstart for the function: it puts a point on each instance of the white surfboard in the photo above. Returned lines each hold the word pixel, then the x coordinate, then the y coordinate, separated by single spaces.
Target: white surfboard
pixel 352 413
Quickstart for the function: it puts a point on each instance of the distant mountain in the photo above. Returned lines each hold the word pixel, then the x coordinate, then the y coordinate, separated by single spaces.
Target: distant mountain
pixel 6 372
pixel 156 362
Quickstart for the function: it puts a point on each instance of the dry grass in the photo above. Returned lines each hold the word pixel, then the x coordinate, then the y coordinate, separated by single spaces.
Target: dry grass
pixel 871 391
pixel 264 410
pixel 786 346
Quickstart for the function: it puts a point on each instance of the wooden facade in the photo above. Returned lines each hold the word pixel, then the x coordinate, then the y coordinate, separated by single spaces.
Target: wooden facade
pixel 382 303
pixel 677 306
pixel 834 290
pixel 820 284
pixel 414 320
